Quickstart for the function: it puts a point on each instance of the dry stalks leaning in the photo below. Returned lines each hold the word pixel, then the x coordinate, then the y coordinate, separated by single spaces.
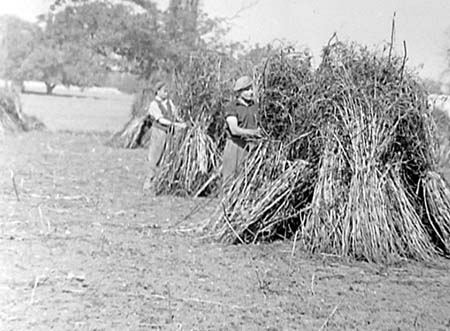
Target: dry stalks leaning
pixel 202 88
pixel 135 132
pixel 442 134
pixel 369 189
pixel 242 192
pixel 12 119
pixel 283 89
pixel 382 148
pixel 192 158
pixel 265 202
pixel 436 202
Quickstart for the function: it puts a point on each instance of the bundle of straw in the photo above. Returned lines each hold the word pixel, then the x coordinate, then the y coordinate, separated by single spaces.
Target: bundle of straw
pixel 191 161
pixel 243 192
pixel 436 192
pixel 369 190
pixel 135 132
pixel 202 90
pixel 12 119
pixel 190 164
pixel 378 129
pixel 265 201
pixel 283 89
pixel 442 134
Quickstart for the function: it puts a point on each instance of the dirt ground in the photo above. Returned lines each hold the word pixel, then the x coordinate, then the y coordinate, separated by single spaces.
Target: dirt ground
pixel 81 248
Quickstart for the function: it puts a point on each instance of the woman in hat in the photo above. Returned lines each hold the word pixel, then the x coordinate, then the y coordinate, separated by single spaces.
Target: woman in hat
pixel 164 117
pixel 242 127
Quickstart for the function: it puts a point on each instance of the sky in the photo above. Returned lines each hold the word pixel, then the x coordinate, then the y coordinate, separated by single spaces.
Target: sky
pixel 423 24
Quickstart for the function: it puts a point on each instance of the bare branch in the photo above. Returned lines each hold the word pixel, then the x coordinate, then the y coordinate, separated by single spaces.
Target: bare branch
pixel 242 9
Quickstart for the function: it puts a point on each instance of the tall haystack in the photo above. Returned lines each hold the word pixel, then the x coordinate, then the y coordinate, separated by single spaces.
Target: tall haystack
pixel 257 210
pixel 12 119
pixel 191 162
pixel 364 182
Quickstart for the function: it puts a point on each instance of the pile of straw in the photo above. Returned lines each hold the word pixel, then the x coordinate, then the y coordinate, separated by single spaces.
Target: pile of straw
pixel 258 205
pixel 442 131
pixel 135 132
pixel 189 165
pixel 286 89
pixel 284 86
pixel 191 161
pixel 202 89
pixel 367 186
pixel 12 119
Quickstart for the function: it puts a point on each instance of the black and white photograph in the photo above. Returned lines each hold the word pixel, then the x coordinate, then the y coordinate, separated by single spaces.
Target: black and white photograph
pixel 242 165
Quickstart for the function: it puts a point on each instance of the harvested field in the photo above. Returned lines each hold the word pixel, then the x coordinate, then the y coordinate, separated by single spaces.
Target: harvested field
pixel 81 248
pixel 72 110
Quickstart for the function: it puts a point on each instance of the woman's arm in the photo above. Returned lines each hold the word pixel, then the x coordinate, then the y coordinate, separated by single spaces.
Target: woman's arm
pixel 238 131
pixel 166 122
pixel 157 115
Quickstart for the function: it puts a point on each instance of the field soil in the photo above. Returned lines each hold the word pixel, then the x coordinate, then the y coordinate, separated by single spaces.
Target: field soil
pixel 82 248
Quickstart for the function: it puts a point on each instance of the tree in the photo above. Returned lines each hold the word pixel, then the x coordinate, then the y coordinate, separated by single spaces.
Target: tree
pixel 134 36
pixel 182 21
pixel 432 86
pixel 66 52
pixel 126 35
pixel 17 40
pixel 67 65
pixel 44 64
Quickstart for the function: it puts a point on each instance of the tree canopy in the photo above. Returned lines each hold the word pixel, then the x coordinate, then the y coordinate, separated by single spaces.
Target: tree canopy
pixel 17 40
pixel 79 41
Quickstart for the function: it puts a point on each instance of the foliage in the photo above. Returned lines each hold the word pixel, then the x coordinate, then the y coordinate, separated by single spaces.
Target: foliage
pixel 432 86
pixel 67 65
pixel 66 52
pixel 134 36
pixel 18 39
pixel 80 41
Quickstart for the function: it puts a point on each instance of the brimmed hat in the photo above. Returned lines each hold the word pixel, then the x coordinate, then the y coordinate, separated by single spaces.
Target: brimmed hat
pixel 159 85
pixel 242 83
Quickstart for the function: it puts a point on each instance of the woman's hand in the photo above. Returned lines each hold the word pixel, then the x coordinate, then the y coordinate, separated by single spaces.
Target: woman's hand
pixel 258 133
